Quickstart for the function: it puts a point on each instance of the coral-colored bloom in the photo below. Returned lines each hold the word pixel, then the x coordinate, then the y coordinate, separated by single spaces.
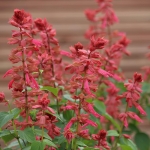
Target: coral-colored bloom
pixel 69 135
pixel 2 97
pixel 41 24
pixel 90 14
pixel 31 81
pixel 134 116
pixel 123 118
pixel 98 43
pixel 21 19
pixel 101 138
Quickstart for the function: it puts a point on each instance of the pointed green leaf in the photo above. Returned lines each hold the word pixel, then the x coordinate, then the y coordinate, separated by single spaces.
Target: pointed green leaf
pixel 51 89
pixel 80 143
pixel 68 97
pixel 128 142
pixel 132 145
pixel 112 133
pixel 125 147
pixel 49 143
pixel 142 141
pixel 27 135
pixel 14 144
pixel 4 118
pixel 39 132
pixel 15 112
pixel 6 132
pixel 112 121
pixel 37 145
pixel 100 106
pixel 61 139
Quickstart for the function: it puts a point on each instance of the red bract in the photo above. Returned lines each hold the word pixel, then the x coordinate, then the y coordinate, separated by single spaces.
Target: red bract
pixel 2 97
pixel 69 135
pixel 21 19
pixel 42 103
pixel 98 43
pixel 101 139
pixel 41 24
pixel 90 14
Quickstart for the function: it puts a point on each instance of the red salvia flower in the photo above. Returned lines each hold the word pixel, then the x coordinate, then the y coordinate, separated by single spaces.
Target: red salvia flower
pixel 21 19
pixel 101 138
pixel 2 97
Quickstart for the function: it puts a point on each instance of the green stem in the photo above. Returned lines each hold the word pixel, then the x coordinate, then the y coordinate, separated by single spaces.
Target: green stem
pixel 19 143
pixel 42 133
pixel 14 126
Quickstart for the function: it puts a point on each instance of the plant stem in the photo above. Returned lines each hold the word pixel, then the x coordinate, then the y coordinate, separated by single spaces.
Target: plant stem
pixel 23 63
pixel 109 36
pixel 19 143
pixel 42 133
pixel 120 133
pixel 52 67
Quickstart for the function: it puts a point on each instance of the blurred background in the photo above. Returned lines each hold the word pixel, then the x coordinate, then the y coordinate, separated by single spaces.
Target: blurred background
pixel 67 17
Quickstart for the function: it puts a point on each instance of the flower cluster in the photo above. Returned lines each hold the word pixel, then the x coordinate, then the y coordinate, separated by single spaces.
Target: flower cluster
pixel 35 59
pixel 132 95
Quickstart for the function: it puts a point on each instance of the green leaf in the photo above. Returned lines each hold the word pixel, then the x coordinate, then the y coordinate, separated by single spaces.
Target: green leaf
pixel 112 121
pixel 100 106
pixel 37 145
pixel 15 112
pixel 61 139
pixel 145 87
pixel 6 132
pixel 90 148
pixel 49 143
pixel 132 145
pixel 68 97
pixel 57 116
pixel 112 133
pixel 90 100
pixel 125 147
pixel 39 132
pixel 33 114
pixel 80 143
pixel 148 111
pixel 7 135
pixel 133 127
pixel 27 135
pixel 14 144
pixel 8 138
pixel 121 86
pixel 7 149
pixel 27 148
pixel 128 142
pixel 68 114
pixel 4 118
pixel 51 89
pixel 142 141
